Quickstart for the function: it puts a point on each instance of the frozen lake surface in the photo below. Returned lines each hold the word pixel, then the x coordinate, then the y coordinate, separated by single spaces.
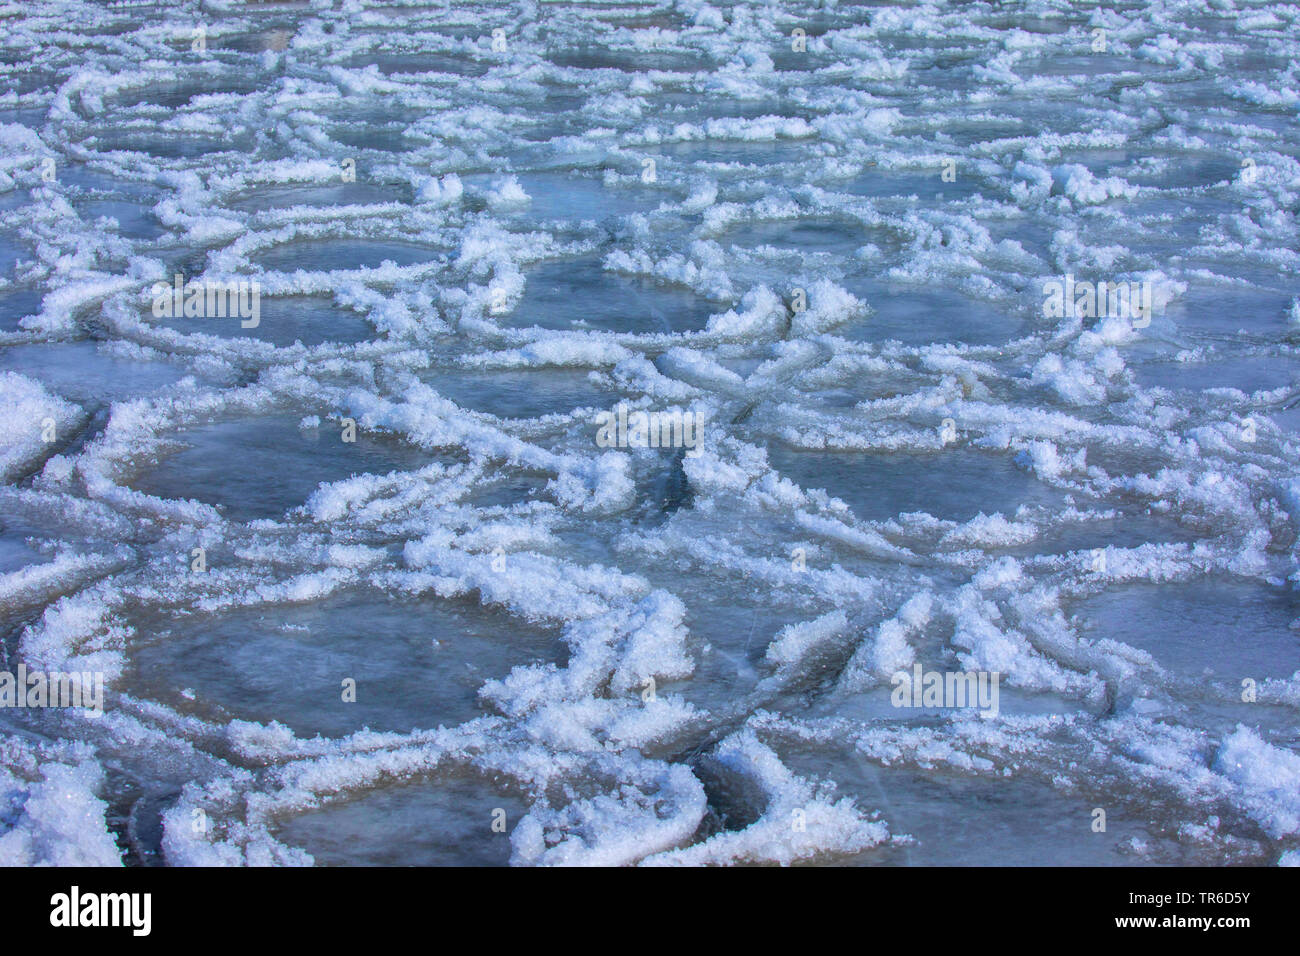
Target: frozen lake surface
pixel 368 584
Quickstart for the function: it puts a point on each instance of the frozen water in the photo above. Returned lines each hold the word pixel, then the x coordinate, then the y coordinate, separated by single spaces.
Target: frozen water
pixel 985 823
pixel 519 394
pixel 920 316
pixel 1228 629
pixel 282 321
pixel 417 664
pixel 84 372
pixel 441 822
pixel 326 254
pixel 472 246
pixel 418 64
pixel 15 553
pixel 1259 372
pixel 131 220
pixel 582 295
pixel 571 196
pixel 339 194
pixel 15 305
pixel 274 462
pixel 952 485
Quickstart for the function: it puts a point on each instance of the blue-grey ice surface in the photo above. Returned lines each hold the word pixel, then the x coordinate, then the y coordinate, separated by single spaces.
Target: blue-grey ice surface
pixel 825 228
